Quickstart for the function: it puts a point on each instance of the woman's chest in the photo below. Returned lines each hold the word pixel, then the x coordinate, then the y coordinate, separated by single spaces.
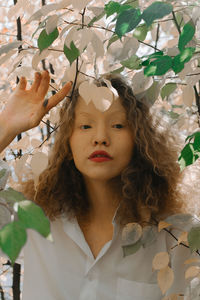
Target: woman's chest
pixel 96 236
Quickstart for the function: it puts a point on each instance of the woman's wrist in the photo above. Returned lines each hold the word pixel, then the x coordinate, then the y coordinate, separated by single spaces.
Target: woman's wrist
pixel 7 132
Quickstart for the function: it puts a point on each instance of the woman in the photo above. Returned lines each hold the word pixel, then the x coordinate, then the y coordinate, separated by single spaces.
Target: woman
pixel 90 195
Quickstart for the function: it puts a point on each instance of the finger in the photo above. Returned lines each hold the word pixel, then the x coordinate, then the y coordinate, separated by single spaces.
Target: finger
pixel 44 84
pixel 36 82
pixel 55 99
pixel 22 83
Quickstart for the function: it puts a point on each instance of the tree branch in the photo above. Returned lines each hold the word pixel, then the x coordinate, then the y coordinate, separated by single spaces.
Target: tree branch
pixel 176 23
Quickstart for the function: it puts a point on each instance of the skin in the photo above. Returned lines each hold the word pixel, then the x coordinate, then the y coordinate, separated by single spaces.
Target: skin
pixel 102 180
pixel 24 109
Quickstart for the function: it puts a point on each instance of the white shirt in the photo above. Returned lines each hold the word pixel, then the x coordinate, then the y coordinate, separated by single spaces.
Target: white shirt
pixel 67 270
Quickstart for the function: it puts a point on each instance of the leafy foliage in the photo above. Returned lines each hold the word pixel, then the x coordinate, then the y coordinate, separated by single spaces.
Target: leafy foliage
pixel 45 40
pixel 156 10
pixel 27 214
pixel 191 151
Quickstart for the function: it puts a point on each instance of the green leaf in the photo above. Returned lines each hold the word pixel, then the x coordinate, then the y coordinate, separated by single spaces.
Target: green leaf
pixel 140 32
pixel 146 62
pixel 71 53
pixel 180 59
pixel 173 115
pixel 12 238
pixel 113 39
pixel 194 238
pixel 11 196
pixel 131 249
pixel 127 21
pixel 187 156
pixel 45 40
pixel 132 63
pixel 134 3
pixel 159 66
pixel 111 8
pixel 32 216
pixel 194 135
pixel 186 35
pixel 156 10
pixel 156 54
pixel 116 71
pixel 168 89
pixel 2 173
pixel 196 143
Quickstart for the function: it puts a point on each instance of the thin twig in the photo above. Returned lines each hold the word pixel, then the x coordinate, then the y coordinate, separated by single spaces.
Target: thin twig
pixel 176 23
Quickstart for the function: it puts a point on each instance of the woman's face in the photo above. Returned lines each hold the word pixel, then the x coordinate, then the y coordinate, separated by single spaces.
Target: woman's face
pixel 95 130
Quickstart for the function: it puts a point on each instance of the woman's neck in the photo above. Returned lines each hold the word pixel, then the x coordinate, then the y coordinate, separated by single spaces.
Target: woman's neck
pixel 104 198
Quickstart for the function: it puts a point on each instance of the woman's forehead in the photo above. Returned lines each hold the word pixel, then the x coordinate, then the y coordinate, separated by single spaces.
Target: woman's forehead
pixel 83 107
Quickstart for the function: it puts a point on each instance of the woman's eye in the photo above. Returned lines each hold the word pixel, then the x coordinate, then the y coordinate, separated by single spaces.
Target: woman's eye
pixel 119 126
pixel 85 126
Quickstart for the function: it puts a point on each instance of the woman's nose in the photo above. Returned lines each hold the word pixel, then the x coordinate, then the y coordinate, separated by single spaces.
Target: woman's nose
pixel 101 136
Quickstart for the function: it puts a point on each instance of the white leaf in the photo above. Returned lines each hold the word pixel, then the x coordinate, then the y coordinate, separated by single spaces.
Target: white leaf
pixel 15 9
pixel 64 30
pixel 103 99
pixel 188 95
pixel 97 45
pixel 38 57
pixel 165 278
pixel 70 74
pixel 10 46
pixel 5 216
pixel 23 144
pixel 46 9
pixel 160 260
pixel 195 14
pixel 80 4
pixel 85 91
pixel 3 180
pixel 35 143
pixel 192 272
pixel 7 56
pixel 96 10
pixel 51 23
pixel 39 163
pixel 82 38
pixel 141 83
pixel 70 36
pixel 23 71
pixel 20 164
pixel 180 220
pixel 131 233
pixel 130 47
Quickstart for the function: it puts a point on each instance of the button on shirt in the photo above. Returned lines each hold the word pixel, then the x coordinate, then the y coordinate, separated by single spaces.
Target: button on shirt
pixel 67 270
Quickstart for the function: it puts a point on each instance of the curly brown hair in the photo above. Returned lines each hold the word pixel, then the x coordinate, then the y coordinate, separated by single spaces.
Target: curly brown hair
pixel 149 183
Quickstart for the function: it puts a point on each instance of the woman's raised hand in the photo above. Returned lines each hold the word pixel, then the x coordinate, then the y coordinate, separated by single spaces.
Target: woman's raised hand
pixel 26 108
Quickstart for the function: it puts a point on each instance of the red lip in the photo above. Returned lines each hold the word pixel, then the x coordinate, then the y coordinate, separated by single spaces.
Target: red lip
pixel 100 153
